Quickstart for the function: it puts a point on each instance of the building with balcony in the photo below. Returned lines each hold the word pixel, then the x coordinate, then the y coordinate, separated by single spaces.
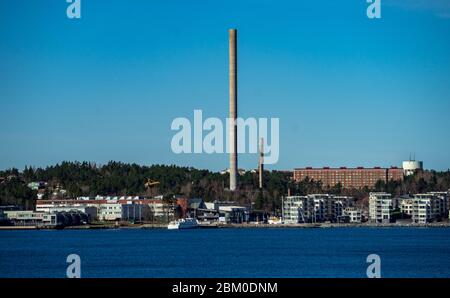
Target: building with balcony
pixel 381 207
pixel 354 215
pixel 292 209
pixel 314 208
pixel 429 207
pixel 406 206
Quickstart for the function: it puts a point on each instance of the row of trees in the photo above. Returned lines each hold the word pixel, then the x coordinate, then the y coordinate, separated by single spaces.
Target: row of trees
pixel 116 178
pixel 15 193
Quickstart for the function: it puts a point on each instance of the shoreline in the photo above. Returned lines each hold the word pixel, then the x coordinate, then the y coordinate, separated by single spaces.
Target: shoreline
pixel 234 226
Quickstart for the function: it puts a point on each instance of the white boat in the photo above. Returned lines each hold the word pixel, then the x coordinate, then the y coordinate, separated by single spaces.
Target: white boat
pixel 184 223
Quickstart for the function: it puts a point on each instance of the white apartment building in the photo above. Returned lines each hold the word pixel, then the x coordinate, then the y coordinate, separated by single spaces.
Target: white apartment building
pixel 293 209
pixel 27 218
pixel 354 214
pixel 314 208
pixel 159 209
pixel 339 207
pixel 444 202
pixel 381 206
pixel 92 211
pixel 233 214
pixel 406 206
pixel 110 211
pixel 429 207
pixel 322 207
pixel 104 208
pixel 422 209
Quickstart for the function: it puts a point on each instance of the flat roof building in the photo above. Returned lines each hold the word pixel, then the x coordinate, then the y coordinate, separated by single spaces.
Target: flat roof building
pixel 359 177
pixel 314 208
pixel 381 207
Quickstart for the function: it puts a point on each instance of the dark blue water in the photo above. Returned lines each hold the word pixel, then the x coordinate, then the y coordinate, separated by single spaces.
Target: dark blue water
pixel 334 252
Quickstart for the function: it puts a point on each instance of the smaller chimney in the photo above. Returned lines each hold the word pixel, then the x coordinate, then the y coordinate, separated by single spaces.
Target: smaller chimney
pixel 261 162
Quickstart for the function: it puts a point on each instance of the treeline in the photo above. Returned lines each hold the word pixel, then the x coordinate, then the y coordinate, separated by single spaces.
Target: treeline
pixel 116 178
pixel 421 182
pixel 13 192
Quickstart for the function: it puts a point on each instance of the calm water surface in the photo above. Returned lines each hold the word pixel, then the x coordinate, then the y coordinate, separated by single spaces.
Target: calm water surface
pixel 333 252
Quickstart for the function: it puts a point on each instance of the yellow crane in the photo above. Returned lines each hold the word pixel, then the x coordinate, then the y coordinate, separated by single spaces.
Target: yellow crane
pixel 151 183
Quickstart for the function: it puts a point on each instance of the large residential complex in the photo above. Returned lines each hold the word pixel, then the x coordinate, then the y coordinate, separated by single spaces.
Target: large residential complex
pixel 109 208
pixel 83 210
pixel 317 208
pixel 349 177
pixel 430 207
pixel 420 208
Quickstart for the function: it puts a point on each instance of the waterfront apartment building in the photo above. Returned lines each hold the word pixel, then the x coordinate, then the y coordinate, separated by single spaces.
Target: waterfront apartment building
pixel 292 209
pixel 354 215
pixel 109 212
pixel 222 211
pixel 30 218
pixel 109 209
pixel 359 177
pixel 406 206
pixel 429 207
pixel 422 209
pixel 92 212
pixel 314 208
pixel 381 207
pixel 322 207
pixel 444 202
pixel 233 214
pixel 342 203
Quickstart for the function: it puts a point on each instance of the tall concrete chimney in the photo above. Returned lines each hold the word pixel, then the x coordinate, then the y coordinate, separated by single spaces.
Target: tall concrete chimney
pixel 261 162
pixel 233 108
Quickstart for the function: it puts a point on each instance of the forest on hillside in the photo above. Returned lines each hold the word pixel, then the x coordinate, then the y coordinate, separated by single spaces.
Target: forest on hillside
pixel 116 178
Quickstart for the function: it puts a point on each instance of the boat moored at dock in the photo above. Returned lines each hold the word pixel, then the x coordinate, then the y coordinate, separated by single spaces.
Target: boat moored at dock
pixel 184 223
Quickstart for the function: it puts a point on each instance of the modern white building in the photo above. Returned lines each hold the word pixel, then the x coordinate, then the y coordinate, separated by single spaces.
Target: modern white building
pixel 233 214
pixel 406 206
pixel 381 206
pixel 339 207
pixel 31 218
pixel 159 209
pixel 92 211
pixel 293 209
pixel 110 211
pixel 104 208
pixel 354 214
pixel 422 209
pixel 314 208
pixel 341 203
pixel 443 206
pixel 430 207
pixel 322 206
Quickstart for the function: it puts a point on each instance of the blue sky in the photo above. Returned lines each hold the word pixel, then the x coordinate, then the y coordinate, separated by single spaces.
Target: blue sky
pixel 349 91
